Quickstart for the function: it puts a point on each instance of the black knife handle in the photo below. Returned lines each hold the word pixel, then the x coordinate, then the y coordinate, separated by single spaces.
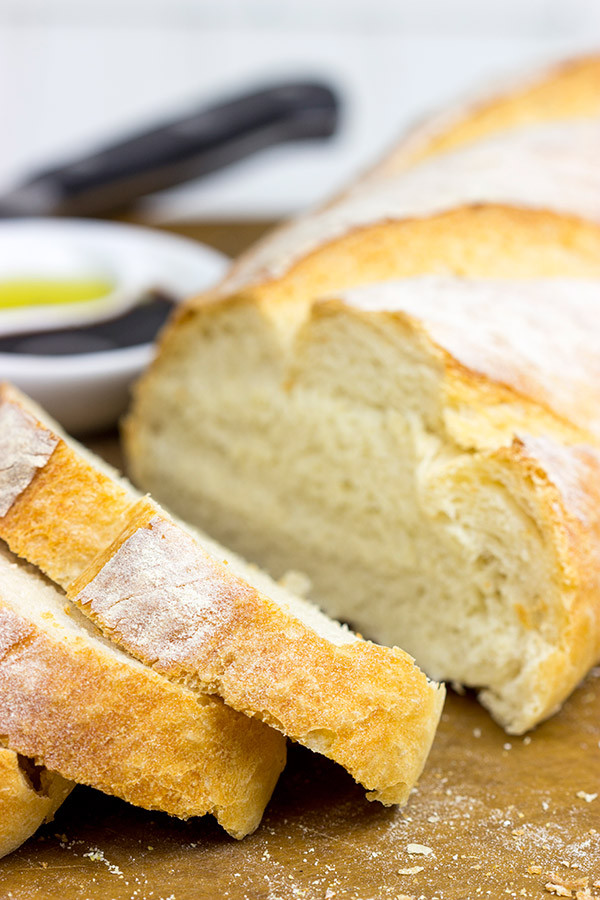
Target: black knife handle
pixel 190 147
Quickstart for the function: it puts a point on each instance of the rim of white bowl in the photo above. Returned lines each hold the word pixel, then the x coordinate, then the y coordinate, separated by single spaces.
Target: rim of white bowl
pixel 103 361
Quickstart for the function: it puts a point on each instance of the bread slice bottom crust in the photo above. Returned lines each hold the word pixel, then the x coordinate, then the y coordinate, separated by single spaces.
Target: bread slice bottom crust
pixel 25 805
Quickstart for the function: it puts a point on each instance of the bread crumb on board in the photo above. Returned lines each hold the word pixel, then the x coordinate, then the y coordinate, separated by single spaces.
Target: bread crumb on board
pixel 587 797
pixel 412 871
pixel 569 885
pixel 557 889
pixel 570 882
pixel 97 855
pixel 419 850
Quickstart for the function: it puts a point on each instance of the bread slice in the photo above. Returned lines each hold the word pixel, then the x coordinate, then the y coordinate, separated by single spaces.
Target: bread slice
pixel 76 704
pixel 29 797
pixel 204 619
pixel 425 450
pixel 567 91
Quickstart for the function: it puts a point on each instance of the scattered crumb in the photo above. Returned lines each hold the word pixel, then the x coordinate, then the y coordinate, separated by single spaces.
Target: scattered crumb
pixel 433 819
pixel 557 889
pixel 508 746
pixel 411 871
pixel 405 897
pixel 535 870
pixel 97 855
pixel 518 831
pixel 419 850
pixel 477 732
pixel 587 797
pixel 570 882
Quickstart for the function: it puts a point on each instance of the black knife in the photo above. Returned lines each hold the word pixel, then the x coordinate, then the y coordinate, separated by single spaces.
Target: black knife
pixel 185 148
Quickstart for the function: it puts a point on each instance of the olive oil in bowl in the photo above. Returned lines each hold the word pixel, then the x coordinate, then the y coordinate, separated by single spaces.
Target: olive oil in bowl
pixel 18 293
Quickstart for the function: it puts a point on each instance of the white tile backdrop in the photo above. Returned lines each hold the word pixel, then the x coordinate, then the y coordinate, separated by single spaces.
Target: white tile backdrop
pixel 73 72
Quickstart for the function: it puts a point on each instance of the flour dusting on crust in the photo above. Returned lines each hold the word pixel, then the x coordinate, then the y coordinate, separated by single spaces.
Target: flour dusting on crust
pixel 128 594
pixel 24 448
pixel 547 167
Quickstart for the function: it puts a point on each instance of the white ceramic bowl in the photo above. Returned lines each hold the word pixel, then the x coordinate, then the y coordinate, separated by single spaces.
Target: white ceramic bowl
pixel 89 391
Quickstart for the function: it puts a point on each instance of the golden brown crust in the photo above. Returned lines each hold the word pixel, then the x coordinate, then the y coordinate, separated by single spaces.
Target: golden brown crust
pixel 367 707
pixel 66 512
pixel 64 515
pixel 24 807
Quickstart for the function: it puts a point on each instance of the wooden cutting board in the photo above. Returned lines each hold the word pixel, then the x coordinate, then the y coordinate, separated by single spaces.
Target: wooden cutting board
pixel 500 818
pixel 493 816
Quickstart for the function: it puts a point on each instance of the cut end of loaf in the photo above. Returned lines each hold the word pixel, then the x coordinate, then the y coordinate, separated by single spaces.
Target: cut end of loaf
pixel 361 450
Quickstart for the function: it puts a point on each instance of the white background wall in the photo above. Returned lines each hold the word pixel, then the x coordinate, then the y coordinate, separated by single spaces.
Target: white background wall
pixel 74 72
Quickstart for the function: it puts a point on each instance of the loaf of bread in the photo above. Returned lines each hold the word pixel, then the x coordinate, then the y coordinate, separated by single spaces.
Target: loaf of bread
pixel 424 451
pixel 29 796
pixel 201 617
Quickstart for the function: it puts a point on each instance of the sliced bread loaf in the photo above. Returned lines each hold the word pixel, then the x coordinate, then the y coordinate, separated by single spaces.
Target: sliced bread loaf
pixel 425 450
pixel 76 704
pixel 203 618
